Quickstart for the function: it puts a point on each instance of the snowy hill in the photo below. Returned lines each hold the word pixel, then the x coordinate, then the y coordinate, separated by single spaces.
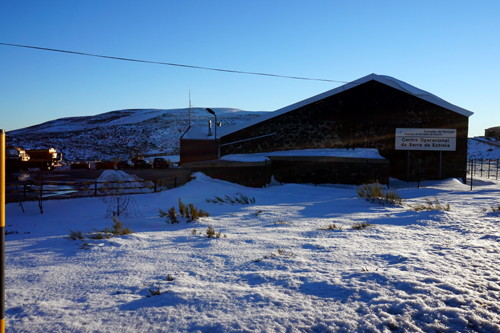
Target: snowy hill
pixel 118 134
pixel 152 132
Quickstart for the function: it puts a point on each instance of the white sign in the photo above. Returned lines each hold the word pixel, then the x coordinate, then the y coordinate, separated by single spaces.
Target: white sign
pixel 438 139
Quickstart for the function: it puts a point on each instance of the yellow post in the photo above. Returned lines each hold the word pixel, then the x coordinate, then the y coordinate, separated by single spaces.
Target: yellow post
pixel 2 231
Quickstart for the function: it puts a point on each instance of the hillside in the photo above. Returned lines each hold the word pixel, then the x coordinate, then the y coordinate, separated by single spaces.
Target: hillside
pixel 118 134
pixel 152 132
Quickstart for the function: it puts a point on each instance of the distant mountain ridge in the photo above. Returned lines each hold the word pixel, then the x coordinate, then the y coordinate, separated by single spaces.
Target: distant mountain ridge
pixel 121 134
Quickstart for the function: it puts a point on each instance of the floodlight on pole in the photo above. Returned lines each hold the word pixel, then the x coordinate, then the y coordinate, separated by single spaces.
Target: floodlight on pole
pixel 212 112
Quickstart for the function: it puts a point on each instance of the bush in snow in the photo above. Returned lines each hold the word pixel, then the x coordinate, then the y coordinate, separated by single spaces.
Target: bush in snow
pixel 171 215
pixel 196 213
pixel 332 226
pixel 495 209
pixel 117 229
pixel 376 193
pixel 429 205
pixel 238 198
pixel 74 235
pixel 359 226
pixel 212 234
pixel 189 211
pixel 183 210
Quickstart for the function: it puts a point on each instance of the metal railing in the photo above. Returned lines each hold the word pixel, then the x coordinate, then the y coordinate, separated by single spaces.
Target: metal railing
pixel 36 190
pixel 488 168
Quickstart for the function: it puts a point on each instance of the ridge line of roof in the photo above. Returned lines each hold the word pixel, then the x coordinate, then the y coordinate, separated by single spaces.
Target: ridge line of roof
pixel 387 80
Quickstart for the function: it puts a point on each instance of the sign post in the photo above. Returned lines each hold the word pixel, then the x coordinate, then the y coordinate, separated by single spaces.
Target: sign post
pixel 432 139
pixel 2 230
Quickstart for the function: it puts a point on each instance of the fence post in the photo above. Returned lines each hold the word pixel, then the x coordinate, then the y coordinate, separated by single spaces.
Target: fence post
pixel 489 163
pixel 95 188
pixel 471 174
pixel 497 169
pixel 24 191
pixel 155 184
pixel 481 174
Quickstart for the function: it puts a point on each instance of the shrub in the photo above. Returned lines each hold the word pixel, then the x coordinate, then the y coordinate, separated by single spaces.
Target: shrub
pixel 495 209
pixel 154 292
pixel 376 193
pixel 196 213
pixel 332 226
pixel 74 235
pixel 189 211
pixel 238 198
pixel 117 229
pixel 429 205
pixel 172 215
pixel 212 234
pixel 359 226
pixel 183 210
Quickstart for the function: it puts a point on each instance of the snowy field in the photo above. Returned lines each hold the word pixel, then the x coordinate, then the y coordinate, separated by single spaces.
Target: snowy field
pixel 276 270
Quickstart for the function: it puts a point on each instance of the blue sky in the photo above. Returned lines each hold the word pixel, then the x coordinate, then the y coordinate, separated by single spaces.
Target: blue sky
pixel 449 48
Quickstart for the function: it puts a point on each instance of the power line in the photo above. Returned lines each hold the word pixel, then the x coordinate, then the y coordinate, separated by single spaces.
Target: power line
pixel 171 64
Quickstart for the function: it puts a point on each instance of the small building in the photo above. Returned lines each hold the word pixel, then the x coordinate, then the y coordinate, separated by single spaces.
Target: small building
pixel 492 132
pixel 366 113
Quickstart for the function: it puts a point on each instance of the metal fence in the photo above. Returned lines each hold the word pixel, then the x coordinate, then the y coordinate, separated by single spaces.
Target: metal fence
pixel 487 168
pixel 37 190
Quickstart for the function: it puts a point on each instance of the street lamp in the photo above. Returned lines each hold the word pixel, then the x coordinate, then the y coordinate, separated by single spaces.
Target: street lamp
pixel 212 112
pixel 215 125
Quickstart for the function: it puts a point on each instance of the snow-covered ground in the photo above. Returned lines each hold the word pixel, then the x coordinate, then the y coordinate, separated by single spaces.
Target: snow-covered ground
pixel 276 271
pixel 480 149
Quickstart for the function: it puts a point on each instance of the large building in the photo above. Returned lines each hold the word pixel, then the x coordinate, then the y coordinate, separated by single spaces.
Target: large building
pixel 431 142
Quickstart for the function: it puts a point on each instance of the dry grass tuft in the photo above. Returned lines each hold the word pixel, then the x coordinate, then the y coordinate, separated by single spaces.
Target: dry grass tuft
pixel 359 226
pixel 429 205
pixel 378 194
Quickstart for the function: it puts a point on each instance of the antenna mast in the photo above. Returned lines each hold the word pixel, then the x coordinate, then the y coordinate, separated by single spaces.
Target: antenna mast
pixel 189 106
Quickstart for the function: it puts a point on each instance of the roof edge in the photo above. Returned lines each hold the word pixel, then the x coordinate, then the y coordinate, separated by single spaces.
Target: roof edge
pixel 384 79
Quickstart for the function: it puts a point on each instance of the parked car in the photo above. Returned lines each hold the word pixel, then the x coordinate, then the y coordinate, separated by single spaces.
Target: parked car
pixel 110 165
pixel 142 164
pixel 160 163
pixel 80 165
pixel 122 165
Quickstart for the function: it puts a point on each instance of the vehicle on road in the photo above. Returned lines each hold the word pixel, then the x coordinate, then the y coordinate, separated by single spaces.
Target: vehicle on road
pixel 105 165
pixel 160 163
pixel 124 165
pixel 142 164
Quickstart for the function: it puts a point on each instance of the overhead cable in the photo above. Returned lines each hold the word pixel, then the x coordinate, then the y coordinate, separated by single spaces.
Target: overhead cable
pixel 171 64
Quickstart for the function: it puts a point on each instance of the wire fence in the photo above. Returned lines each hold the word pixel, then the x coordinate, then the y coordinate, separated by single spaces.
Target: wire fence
pixel 482 168
pixel 487 168
pixel 40 190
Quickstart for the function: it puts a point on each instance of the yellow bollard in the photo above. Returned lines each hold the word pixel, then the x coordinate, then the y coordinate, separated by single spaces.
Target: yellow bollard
pixel 2 231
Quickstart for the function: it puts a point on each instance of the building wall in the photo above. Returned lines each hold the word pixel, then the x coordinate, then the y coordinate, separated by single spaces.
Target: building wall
pixel 365 116
pixel 198 150
pixel 492 132
pixel 354 171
